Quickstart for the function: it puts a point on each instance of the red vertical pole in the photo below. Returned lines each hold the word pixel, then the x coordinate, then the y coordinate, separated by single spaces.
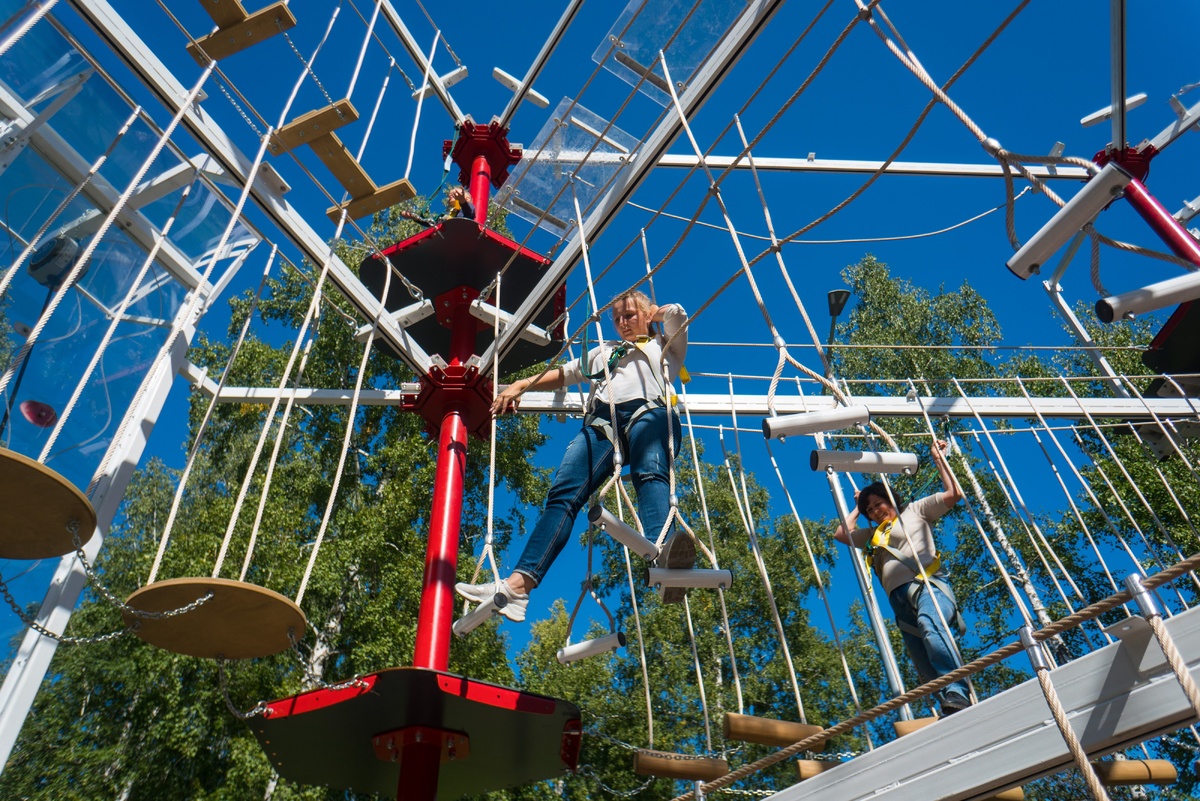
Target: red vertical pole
pixel 1169 230
pixel 481 181
pixel 419 763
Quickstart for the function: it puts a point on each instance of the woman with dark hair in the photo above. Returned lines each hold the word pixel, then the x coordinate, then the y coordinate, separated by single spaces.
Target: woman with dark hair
pixel 899 545
pixel 635 388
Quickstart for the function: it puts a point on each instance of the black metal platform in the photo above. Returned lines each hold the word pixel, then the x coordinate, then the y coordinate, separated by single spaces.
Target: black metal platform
pixel 1175 349
pixel 497 737
pixel 461 253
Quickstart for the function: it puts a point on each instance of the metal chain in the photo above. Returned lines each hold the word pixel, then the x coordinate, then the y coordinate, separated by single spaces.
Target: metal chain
pixel 586 770
pixel 45 632
pixel 315 680
pixel 238 107
pixel 258 710
pixel 722 754
pixel 98 585
pixel 309 70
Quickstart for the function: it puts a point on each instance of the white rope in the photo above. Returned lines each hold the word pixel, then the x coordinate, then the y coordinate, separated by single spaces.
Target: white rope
pixel 691 632
pixel 824 596
pixel 83 259
pixel 726 627
pixel 489 552
pixel 362 53
pixel 33 244
pixel 15 36
pixel 756 551
pixel 116 319
pixel 412 143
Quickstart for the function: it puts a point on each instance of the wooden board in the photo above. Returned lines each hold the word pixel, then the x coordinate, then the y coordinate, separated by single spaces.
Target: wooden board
pixel 345 168
pixel 904 727
pixel 326 737
pixel 235 38
pixel 1126 772
pixel 312 125
pixel 224 12
pixel 36 507
pixel 678 766
pixel 766 731
pixel 808 768
pixel 240 621
pixel 383 198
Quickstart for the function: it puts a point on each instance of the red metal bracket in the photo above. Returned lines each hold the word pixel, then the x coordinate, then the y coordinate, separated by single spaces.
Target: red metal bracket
pixel 1135 161
pixel 461 385
pixel 489 141
pixel 390 745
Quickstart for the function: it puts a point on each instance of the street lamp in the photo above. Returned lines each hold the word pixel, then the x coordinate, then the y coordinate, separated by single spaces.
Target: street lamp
pixel 837 302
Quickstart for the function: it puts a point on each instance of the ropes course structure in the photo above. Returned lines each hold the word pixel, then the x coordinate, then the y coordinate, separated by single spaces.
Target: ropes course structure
pixel 151 153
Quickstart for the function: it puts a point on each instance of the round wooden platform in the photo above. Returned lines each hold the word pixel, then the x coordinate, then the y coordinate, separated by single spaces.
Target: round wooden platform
pixel 240 621
pixel 36 507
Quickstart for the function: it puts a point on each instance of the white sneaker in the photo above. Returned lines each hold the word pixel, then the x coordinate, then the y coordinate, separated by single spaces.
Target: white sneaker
pixel 515 603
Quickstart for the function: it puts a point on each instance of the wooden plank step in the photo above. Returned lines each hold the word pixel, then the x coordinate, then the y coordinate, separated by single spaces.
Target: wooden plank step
pixel 225 12
pixel 904 727
pixel 345 168
pixel 312 125
pixel 767 731
pixel 1127 772
pixel 814 767
pixel 383 198
pixel 235 38
pixel 678 766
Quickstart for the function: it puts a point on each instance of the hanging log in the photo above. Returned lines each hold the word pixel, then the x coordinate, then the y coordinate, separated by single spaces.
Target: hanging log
pixel 766 731
pixel 666 765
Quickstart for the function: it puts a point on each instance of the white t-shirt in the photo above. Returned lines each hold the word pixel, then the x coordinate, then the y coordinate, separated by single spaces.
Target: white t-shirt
pixel 917 547
pixel 638 374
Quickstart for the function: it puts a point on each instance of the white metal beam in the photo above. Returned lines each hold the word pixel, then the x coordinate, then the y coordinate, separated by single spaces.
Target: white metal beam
pixel 1122 694
pixel 28 669
pixel 421 59
pixel 869 167
pixel 141 60
pixel 539 63
pixel 565 402
pixel 706 79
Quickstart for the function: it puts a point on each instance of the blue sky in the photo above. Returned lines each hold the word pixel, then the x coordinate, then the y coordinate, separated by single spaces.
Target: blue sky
pixel 1029 90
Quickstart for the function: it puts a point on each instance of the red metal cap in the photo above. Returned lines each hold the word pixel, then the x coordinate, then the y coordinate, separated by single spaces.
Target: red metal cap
pixel 489 141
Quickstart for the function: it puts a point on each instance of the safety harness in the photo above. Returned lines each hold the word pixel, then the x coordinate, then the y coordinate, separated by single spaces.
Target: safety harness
pixel 614 357
pixel 929 574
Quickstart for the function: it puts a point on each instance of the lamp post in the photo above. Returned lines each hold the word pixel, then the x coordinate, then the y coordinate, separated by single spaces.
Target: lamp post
pixel 837 302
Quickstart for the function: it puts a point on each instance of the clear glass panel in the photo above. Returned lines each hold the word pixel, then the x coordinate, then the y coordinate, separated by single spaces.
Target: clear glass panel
pixel 542 180
pixel 651 24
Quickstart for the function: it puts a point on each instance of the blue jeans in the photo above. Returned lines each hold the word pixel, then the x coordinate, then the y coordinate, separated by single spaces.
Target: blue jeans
pixel 931 652
pixel 586 465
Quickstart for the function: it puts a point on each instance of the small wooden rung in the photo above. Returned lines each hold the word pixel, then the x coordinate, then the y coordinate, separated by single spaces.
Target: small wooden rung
pixel 766 731
pixel 312 125
pixel 345 168
pixel 225 12
pixel 235 38
pixel 678 766
pixel 1011 794
pixel 383 198
pixel 809 768
pixel 904 727
pixel 1126 772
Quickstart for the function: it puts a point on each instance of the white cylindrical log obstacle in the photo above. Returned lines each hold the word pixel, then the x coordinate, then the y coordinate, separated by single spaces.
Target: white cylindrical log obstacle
pixel 864 462
pixel 1171 292
pixel 815 422
pixel 689 577
pixel 622 533
pixel 474 619
pixel 593 647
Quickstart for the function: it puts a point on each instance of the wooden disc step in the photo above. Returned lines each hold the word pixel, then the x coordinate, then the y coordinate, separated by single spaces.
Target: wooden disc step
pixel 808 768
pixel 38 508
pixel 240 621
pixel 904 727
pixel 667 765
pixel 767 731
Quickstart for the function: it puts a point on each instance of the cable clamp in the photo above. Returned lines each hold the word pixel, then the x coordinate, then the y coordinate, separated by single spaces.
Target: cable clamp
pixel 1147 604
pixel 1037 652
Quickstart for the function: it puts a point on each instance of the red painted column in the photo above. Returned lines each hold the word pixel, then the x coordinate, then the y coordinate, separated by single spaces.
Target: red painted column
pixel 441 552
pixel 481 183
pixel 419 763
pixel 1169 229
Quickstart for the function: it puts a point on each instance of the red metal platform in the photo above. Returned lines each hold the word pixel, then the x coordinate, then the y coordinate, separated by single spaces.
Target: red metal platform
pixel 459 253
pixel 483 737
